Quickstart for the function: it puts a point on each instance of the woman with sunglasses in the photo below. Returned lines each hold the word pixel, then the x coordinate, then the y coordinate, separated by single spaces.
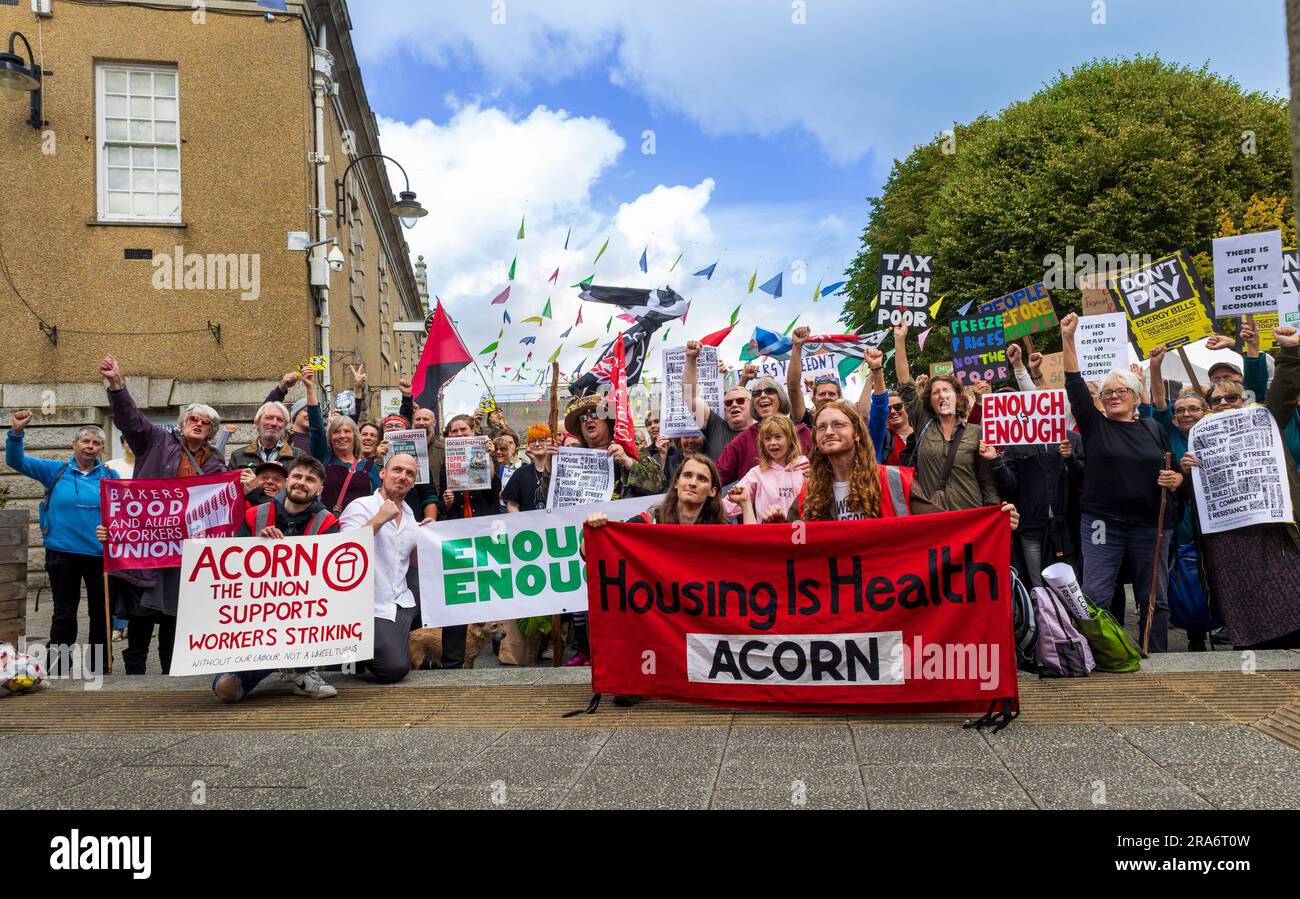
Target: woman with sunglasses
pixel 1253 573
pixel 150 596
pixel 1122 486
pixel 767 398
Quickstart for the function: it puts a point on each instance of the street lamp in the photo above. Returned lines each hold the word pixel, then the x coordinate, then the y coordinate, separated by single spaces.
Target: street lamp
pixel 18 77
pixel 405 207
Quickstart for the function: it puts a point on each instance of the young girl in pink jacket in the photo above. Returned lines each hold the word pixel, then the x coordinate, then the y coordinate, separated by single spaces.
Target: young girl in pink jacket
pixel 778 476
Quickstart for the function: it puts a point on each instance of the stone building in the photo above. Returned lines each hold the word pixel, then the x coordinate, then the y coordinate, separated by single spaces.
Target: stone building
pixel 150 206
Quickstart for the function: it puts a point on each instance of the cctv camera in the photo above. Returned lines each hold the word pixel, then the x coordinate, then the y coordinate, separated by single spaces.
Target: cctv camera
pixel 336 259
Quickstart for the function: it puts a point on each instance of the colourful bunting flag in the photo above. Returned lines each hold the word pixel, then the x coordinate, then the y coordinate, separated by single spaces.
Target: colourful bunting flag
pixel 529 340
pixel 716 338
pixel 520 236
pixel 488 349
pixel 501 297
pixel 817 291
pixel 626 317
pixel 533 318
pixel 546 313
pixel 790 327
pixel 735 313
pixel 603 248
pixel 675 261
pixel 579 321
pixel 566 333
pixel 566 237
pixel 687 312
pixel 585 282
pixel 707 273
pixel 555 274
pixel 773 287
pixel 555 355
pixel 505 316
pixel 752 279
pixel 608 323
pixel 920 338
pixel 511 276
pixel 643 257
pixel 934 308
pixel 589 345
pixel 963 309
pixel 831 288
pixel 666 330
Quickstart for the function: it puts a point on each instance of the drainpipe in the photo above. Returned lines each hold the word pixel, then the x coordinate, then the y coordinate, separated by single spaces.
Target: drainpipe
pixel 322 71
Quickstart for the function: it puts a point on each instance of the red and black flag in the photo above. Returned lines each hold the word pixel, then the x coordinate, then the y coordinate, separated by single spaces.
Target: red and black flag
pixel 443 357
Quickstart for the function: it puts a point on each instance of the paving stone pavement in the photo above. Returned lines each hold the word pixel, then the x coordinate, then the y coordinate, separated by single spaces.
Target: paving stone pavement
pixel 797 767
pixel 812 765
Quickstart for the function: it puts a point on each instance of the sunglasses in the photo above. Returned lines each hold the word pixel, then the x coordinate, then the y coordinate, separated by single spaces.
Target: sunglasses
pixel 735 401
pixel 895 407
pixel 1225 400
pixel 826 379
pixel 195 420
pixel 764 391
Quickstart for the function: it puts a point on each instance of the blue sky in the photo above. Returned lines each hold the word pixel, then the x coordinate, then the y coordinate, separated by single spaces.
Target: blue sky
pixel 769 133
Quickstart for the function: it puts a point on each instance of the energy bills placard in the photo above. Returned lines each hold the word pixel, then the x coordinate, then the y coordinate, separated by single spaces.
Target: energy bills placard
pixel 1241 476
pixel 675 418
pixel 249 603
pixel 1100 341
pixel 1024 418
pixel 499 567
pixel 905 284
pixel 1165 303
pixel 414 443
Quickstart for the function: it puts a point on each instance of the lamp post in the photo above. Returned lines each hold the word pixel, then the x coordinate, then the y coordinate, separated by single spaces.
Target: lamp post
pixel 18 77
pixel 406 207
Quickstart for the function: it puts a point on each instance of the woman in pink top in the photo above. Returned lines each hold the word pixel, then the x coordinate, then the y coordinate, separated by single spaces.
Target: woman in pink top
pixel 778 476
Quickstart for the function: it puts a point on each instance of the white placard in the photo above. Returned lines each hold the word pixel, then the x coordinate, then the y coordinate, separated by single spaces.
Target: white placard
pixel 810 364
pixel 580 477
pixel 500 567
pixel 390 402
pixel 675 419
pixel 1102 342
pixel 1023 418
pixel 1241 477
pixel 469 463
pixel 249 604
pixel 1247 273
pixel 413 442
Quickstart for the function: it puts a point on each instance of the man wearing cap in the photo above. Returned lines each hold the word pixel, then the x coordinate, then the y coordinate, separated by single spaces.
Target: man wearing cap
pixel 263 483
pixel 1255 375
pixel 299 514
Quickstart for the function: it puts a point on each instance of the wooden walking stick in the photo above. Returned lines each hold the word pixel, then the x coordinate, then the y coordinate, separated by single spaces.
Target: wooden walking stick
pixel 1155 564
pixel 557 638
pixel 108 625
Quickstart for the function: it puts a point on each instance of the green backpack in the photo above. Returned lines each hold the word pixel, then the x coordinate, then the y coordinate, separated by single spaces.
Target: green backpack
pixel 1112 649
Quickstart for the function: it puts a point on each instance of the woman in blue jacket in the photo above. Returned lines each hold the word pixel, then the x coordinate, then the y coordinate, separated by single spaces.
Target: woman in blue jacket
pixel 68 520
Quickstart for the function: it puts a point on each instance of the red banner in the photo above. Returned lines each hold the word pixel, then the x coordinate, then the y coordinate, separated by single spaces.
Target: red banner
pixel 892 615
pixel 148 521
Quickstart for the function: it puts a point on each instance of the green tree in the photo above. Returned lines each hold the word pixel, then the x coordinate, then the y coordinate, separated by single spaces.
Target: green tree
pixel 1133 156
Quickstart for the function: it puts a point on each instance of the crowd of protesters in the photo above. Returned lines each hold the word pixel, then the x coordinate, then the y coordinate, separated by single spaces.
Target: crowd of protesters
pixel 770 454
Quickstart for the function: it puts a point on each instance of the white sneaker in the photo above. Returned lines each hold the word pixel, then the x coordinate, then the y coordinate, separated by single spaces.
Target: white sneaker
pixel 310 683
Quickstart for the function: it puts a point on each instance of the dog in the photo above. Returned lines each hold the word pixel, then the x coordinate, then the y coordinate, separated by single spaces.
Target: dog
pixel 426 644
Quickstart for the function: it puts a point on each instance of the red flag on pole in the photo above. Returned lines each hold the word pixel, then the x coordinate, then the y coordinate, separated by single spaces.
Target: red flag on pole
pixel 443 357
pixel 624 428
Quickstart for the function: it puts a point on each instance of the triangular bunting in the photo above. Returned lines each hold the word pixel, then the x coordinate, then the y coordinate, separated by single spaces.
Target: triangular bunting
pixel 920 338
pixel 675 261
pixel 773 287
pixel 752 279
pixel 520 236
pixel 555 274
pixel 566 237
pixel 706 273
pixel 603 248
pixel 585 282
pixel 501 297
pixel 546 313
pixel 643 257
pixel 511 276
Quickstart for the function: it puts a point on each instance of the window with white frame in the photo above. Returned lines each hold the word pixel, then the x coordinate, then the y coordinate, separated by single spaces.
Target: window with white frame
pixel 138 130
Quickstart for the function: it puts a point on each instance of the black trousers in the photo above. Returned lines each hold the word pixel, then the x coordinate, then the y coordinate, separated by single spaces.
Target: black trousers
pixel 139 633
pixel 68 571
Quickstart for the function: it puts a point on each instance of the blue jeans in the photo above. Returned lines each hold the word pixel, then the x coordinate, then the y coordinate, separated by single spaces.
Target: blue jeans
pixel 1107 546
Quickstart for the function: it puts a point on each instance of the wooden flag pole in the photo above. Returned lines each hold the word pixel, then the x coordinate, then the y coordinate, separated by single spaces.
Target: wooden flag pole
pixel 108 626
pixel 1155 564
pixel 1191 372
pixel 557 637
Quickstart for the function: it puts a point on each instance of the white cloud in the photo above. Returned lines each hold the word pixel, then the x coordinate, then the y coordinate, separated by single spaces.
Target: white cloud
pixel 483 169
